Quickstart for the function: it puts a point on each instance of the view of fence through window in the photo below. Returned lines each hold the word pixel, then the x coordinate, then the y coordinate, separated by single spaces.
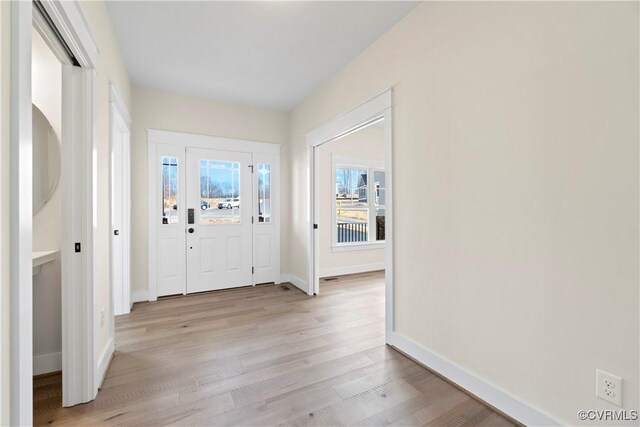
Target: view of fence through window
pixel 355 204
pixel 264 192
pixel 352 207
pixel 169 190
pixel 219 192
pixel 379 202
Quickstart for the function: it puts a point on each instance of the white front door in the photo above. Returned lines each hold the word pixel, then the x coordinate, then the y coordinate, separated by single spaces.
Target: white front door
pixel 219 220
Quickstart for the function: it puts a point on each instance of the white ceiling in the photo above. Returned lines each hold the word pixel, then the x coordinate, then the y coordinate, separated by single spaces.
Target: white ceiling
pixel 269 54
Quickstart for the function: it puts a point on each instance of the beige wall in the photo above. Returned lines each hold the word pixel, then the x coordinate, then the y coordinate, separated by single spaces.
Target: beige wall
pixel 154 109
pixel 5 56
pixel 110 68
pixel 46 94
pixel 516 179
pixel 369 144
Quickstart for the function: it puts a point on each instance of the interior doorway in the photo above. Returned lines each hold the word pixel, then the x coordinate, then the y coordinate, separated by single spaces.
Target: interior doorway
pixel 351 209
pixel 46 92
pixel 213 215
pixel 62 27
pixel 360 195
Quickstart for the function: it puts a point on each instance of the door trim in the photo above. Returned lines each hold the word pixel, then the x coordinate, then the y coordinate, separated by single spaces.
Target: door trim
pixel 119 113
pixel 182 139
pixel 20 218
pixel 214 142
pixel 79 183
pixel 375 109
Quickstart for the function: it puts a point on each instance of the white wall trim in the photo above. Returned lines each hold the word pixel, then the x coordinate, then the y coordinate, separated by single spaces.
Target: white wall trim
pixel 68 18
pixel 104 361
pixel 352 269
pixel 185 139
pixel 343 124
pixel 20 217
pixel 118 103
pixel 140 296
pixel 479 387
pixel 152 202
pixel 5 242
pixel 46 363
pixel 46 32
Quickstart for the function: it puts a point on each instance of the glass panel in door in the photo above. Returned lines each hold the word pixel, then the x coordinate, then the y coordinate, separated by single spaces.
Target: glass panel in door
pixel 219 192
pixel 219 229
pixel 264 193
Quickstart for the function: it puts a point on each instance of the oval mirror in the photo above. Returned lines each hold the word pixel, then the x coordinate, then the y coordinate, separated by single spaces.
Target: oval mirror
pixel 46 160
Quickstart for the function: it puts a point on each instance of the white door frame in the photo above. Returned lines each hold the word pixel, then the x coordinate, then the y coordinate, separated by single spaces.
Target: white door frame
pixel 120 121
pixel 182 139
pixel 375 109
pixel 78 181
pixel 20 217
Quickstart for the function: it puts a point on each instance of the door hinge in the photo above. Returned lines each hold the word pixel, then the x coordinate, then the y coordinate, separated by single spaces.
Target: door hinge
pixel 251 166
pixel 315 226
pixel 253 270
pixel 251 219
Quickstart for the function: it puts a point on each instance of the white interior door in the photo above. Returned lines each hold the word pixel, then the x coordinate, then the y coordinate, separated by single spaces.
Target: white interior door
pixel 219 217
pixel 169 218
pixel 116 224
pixel 120 216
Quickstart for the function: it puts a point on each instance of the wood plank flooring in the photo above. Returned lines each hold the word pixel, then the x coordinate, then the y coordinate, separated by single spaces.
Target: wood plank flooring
pixel 267 355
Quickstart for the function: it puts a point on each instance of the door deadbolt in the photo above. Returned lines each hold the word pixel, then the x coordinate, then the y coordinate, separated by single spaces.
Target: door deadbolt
pixel 191 230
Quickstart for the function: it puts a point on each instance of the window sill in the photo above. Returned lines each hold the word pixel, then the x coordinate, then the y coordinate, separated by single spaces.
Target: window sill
pixel 357 247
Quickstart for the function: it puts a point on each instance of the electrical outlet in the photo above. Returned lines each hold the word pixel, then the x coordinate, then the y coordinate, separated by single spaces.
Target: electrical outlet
pixel 102 318
pixel 609 387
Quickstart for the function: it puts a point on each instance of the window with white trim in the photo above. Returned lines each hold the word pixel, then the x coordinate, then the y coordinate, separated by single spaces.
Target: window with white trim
pixel 358 202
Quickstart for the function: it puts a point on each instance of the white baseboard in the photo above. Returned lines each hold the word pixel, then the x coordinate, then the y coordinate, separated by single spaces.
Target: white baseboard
pixel 295 281
pixel 103 362
pixel 140 296
pixel 45 363
pixel 351 269
pixel 484 390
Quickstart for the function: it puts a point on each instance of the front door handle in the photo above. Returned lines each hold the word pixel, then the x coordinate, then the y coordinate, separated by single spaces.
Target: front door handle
pixel 116 232
pixel 191 230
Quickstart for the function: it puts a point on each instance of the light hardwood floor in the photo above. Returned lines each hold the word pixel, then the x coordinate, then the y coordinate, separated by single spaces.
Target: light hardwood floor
pixel 268 355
